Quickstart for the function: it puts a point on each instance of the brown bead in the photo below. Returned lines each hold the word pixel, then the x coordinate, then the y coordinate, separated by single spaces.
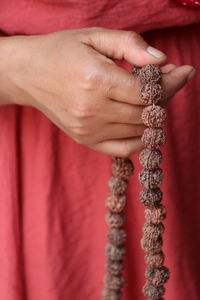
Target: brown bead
pixel 122 168
pixel 114 267
pixel 150 159
pixel 115 220
pixel 136 71
pixel 151 245
pixel 119 160
pixel 155 260
pixel 151 179
pixel 115 253
pixel 154 116
pixel 153 231
pixel 157 276
pixel 150 73
pixel 151 197
pixel 116 203
pixel 151 93
pixel 117 185
pixel 155 214
pixel 111 294
pixel 114 282
pixel 117 237
pixel 154 138
pixel 153 292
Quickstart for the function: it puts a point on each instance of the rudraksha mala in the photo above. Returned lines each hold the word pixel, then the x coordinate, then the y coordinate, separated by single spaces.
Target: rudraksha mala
pixel 150 177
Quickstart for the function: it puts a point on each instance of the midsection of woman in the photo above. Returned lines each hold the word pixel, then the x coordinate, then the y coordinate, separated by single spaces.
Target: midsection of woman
pixel 53 189
pixel 43 16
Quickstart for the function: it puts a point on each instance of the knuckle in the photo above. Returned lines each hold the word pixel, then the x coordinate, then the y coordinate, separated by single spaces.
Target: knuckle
pixel 93 80
pixel 83 111
pixel 80 132
pixel 80 113
pixel 131 36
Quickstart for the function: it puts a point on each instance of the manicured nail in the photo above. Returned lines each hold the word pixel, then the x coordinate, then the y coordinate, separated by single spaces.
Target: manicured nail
pixel 156 53
pixel 191 75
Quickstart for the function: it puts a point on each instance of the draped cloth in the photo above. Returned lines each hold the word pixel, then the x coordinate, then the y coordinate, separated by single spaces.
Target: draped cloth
pixel 53 190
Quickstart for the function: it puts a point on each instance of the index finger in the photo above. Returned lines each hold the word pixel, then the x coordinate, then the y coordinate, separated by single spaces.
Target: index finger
pixel 124 87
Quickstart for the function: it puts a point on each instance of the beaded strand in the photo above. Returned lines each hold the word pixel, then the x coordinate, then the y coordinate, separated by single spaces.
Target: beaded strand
pixel 151 177
pixel 122 169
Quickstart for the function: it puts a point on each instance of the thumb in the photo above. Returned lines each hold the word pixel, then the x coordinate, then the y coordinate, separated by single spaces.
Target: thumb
pixel 176 79
pixel 128 45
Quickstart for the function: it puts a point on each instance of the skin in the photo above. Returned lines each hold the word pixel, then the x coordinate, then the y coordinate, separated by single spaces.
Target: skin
pixel 71 77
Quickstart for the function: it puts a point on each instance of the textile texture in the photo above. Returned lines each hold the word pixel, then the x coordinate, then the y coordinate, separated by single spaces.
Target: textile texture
pixel 53 190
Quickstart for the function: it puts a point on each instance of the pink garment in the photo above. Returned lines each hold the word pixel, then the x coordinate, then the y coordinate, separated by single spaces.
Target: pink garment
pixel 52 208
pixel 43 16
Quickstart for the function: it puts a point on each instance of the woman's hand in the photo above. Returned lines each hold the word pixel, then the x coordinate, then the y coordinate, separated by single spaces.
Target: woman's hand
pixel 70 76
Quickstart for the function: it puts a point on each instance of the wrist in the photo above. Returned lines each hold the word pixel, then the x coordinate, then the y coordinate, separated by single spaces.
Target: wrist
pixel 11 65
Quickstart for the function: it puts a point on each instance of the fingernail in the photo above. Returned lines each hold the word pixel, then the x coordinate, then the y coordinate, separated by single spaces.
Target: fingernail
pixel 156 53
pixel 191 75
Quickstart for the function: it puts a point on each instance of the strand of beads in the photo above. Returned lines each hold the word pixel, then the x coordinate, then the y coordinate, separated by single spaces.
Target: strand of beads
pixel 122 169
pixel 151 177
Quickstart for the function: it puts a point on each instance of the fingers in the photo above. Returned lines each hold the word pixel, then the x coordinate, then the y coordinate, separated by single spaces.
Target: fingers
pixel 168 68
pixel 122 85
pixel 126 88
pixel 121 148
pixel 119 131
pixel 176 79
pixel 180 83
pixel 128 45
pixel 109 131
pixel 125 113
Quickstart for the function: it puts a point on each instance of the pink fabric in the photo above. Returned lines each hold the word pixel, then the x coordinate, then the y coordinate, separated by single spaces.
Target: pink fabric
pixel 52 207
pixel 42 16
